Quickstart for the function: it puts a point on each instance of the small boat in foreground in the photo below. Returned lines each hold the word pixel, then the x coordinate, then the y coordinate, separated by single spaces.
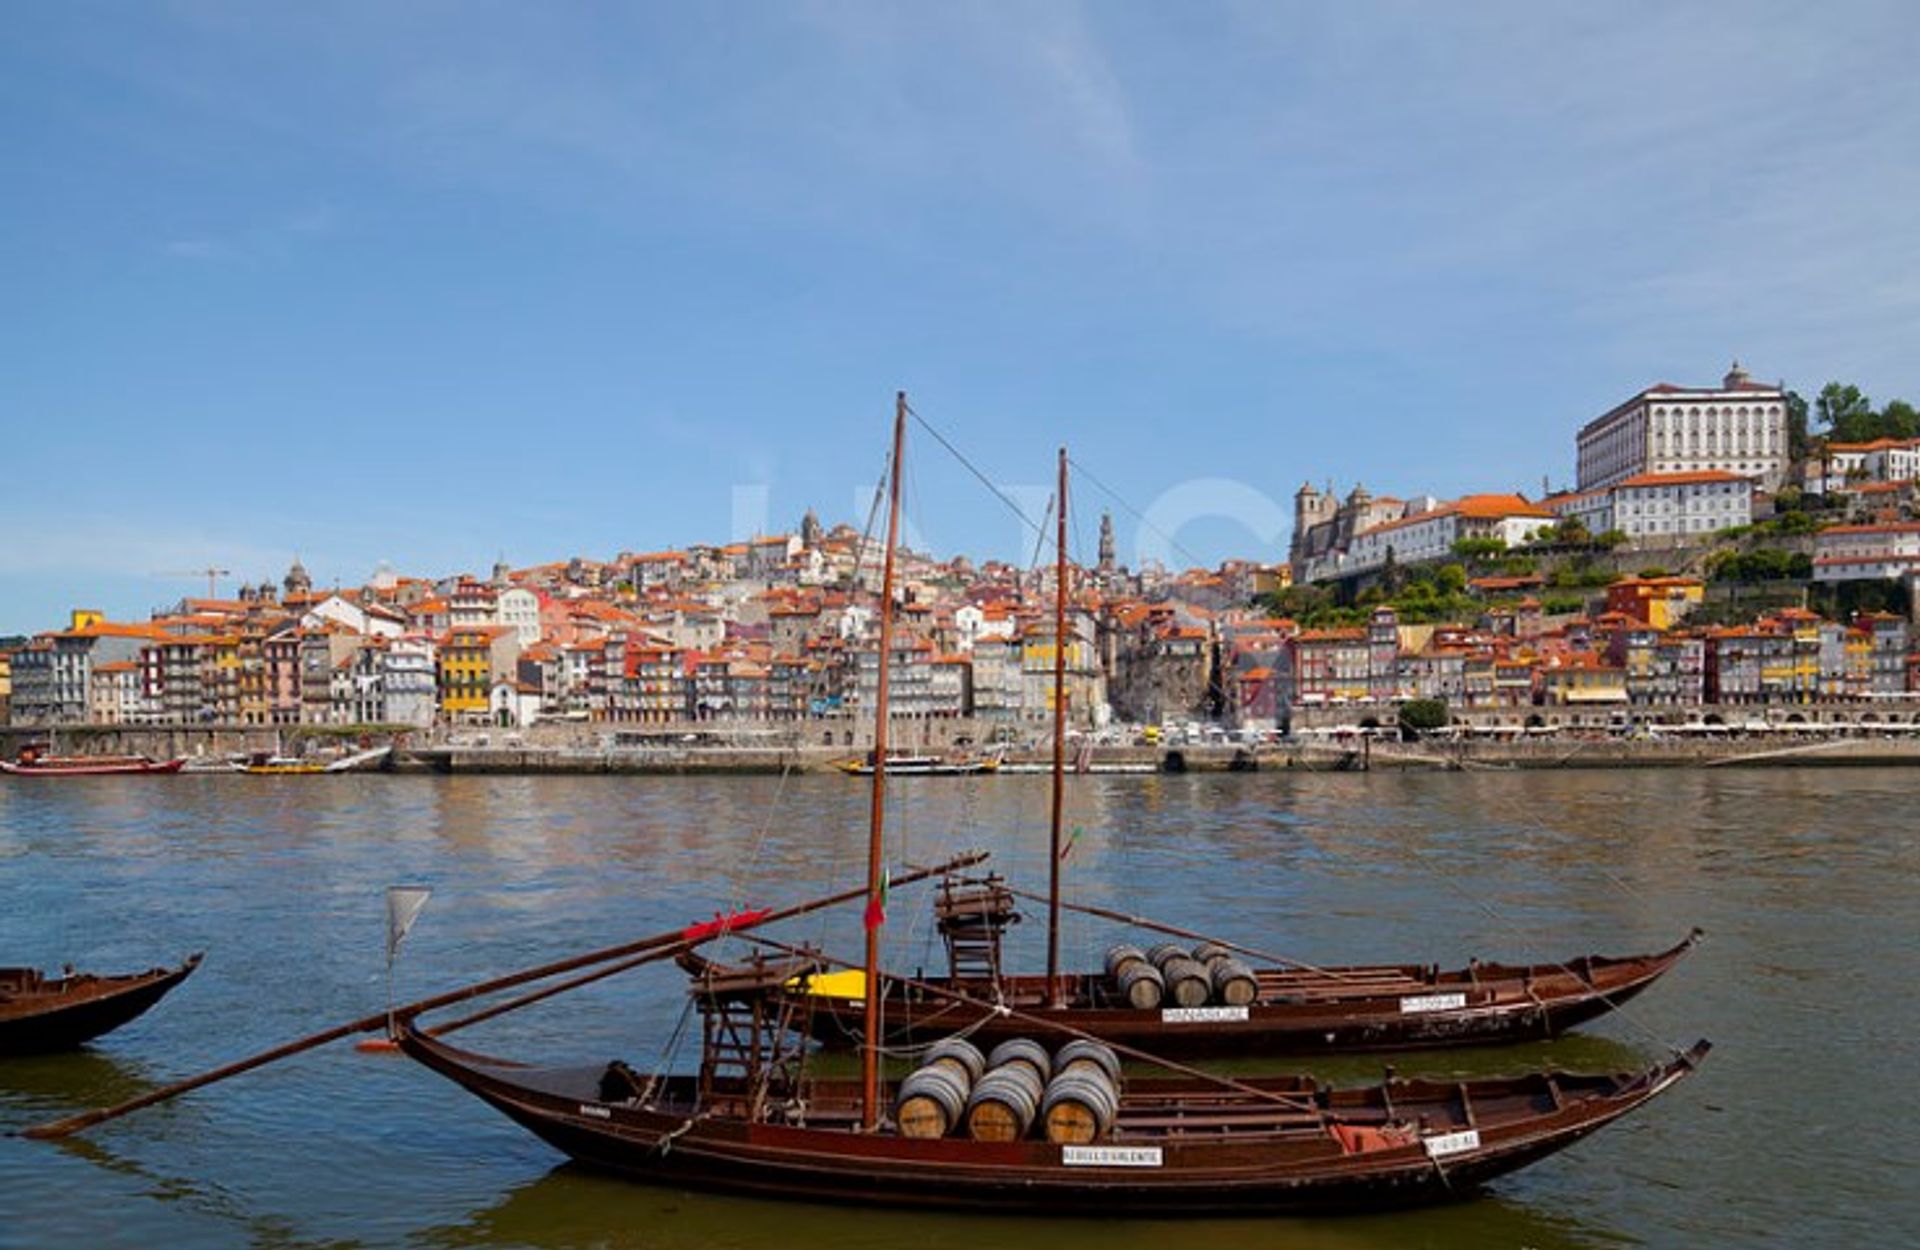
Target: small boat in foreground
pixel 40 1013
pixel 1172 1146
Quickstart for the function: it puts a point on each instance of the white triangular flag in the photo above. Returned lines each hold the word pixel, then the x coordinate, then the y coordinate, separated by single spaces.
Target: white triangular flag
pixel 403 908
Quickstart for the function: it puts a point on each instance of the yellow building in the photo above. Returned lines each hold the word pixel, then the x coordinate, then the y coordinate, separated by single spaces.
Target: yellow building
pixel 471 659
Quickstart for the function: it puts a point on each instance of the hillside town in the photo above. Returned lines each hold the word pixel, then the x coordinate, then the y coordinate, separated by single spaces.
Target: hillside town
pixel 1715 563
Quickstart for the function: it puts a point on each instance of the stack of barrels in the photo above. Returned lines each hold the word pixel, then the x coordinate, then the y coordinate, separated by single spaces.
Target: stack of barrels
pixel 1072 1096
pixel 1172 974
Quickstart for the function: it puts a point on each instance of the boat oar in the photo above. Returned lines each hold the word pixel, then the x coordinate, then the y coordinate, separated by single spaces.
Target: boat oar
pixel 1176 931
pixel 1291 1102
pixel 659 946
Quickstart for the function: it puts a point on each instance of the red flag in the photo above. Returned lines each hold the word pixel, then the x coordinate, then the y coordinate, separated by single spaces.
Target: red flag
pixel 877 903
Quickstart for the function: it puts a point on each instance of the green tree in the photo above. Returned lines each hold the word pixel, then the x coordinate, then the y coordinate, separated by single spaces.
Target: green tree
pixel 1609 539
pixel 1452 579
pixel 1846 414
pixel 1421 715
pixel 1899 420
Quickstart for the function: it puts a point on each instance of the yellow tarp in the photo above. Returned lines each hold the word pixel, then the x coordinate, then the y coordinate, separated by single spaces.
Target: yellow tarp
pixel 851 983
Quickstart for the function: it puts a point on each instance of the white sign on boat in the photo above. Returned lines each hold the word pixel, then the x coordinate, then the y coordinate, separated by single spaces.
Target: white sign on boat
pixel 1432 1002
pixel 1452 1143
pixel 1203 1015
pixel 1110 1156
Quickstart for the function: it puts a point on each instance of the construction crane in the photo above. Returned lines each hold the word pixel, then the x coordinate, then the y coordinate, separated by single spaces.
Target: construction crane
pixel 209 573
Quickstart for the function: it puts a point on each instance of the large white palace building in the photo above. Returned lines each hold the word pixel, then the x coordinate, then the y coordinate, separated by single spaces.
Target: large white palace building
pixel 1739 427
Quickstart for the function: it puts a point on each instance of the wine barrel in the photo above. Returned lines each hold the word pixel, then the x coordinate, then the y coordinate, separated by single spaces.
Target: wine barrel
pixel 1163 953
pixel 1233 982
pixel 1079 1106
pixel 960 1054
pixel 1083 1053
pixel 1022 1051
pixel 932 1100
pixel 1142 986
pixel 1188 984
pixel 1118 957
pixel 1002 1106
pixel 1209 953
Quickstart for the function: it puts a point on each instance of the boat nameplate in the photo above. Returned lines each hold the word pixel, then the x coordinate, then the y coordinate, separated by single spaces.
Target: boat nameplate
pixel 598 1113
pixel 1452 1143
pixel 1110 1156
pixel 1432 1002
pixel 1203 1015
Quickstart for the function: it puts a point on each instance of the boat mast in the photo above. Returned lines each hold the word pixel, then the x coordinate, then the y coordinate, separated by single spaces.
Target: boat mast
pixel 1054 997
pixel 870 1035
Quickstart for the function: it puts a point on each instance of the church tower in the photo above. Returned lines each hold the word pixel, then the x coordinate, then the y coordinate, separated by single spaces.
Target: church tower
pixel 1106 567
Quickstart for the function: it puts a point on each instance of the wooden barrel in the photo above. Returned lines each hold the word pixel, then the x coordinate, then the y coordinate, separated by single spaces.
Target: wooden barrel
pixel 1085 1053
pixel 1163 953
pixel 1023 1051
pixel 1233 982
pixel 1210 953
pixel 1079 1106
pixel 1118 957
pixel 960 1054
pixel 1002 1106
pixel 1188 984
pixel 932 1100
pixel 1142 986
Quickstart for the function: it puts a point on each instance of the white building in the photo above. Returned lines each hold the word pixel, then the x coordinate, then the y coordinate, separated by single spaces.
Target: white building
pixel 374 620
pixel 1740 427
pixel 1431 535
pixel 1848 553
pixel 1676 505
pixel 518 609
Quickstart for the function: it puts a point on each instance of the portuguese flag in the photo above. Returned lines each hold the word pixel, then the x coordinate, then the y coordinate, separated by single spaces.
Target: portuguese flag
pixel 877 903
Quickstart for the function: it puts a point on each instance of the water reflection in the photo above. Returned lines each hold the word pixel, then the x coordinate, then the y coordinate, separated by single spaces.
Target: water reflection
pixel 571 1208
pixel 38 1087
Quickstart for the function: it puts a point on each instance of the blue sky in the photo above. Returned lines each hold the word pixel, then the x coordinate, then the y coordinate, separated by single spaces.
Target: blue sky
pixel 428 282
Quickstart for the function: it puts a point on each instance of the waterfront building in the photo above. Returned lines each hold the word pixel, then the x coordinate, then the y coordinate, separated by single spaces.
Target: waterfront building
pixel 280 652
pixel 470 659
pixel 6 686
pixel 997 684
pixel 1332 666
pixel 52 675
pixel 1738 427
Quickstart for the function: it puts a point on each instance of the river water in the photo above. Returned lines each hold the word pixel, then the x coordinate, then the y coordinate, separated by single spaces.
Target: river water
pixel 1802 1128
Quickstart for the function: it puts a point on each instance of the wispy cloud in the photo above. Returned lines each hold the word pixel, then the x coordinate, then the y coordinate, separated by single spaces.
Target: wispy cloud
pixel 259 241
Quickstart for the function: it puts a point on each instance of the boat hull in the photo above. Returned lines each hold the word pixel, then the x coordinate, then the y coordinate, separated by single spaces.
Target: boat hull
pixel 1402 1007
pixel 81 766
pixel 1282 1168
pixel 70 1011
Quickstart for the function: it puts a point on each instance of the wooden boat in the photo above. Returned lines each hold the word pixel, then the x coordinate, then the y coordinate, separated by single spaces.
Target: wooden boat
pixel 33 763
pixel 751 1120
pixel 40 1013
pixel 1179 1146
pixel 1282 1010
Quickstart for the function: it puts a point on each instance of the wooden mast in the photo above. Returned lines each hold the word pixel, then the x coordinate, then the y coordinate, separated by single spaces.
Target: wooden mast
pixel 1054 997
pixel 870 1036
